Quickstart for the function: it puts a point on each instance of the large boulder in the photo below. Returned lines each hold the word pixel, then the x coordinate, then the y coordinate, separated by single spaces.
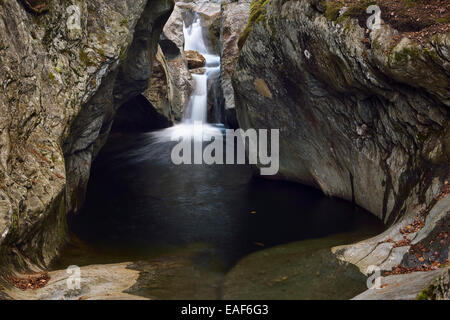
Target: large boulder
pixel 194 59
pixel 363 115
pixel 170 86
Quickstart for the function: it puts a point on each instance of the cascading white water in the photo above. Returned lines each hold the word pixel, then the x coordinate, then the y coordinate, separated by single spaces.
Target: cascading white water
pixel 196 110
pixel 198 102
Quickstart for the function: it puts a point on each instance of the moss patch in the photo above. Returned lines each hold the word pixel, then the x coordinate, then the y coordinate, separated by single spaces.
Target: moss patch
pixel 332 9
pixel 124 23
pixel 357 10
pixel 85 58
pixel 257 14
pixel 443 20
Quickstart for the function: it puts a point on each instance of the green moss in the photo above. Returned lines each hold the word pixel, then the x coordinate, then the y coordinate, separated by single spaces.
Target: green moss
pixel 51 76
pixel 356 10
pixel 124 23
pixel 425 294
pixel 443 20
pixel 257 14
pixel 432 53
pixel 406 54
pixel 410 3
pixel 123 54
pixel 102 54
pixel 271 24
pixel 376 44
pixel 85 58
pixel 332 9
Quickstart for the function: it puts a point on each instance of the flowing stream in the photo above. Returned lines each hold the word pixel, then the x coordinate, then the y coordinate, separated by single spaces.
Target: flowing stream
pixel 194 40
pixel 197 108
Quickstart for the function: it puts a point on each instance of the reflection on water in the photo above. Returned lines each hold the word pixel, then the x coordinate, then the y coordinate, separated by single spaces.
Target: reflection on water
pixel 139 203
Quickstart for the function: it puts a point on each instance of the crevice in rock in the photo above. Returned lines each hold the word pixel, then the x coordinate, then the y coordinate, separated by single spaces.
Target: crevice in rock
pixel 138 115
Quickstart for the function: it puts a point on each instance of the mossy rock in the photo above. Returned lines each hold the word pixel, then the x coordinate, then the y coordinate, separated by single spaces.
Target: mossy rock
pixel 443 20
pixel 357 10
pixel 332 9
pixel 257 14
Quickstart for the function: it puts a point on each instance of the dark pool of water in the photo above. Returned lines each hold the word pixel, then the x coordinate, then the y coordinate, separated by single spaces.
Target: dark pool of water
pixel 138 201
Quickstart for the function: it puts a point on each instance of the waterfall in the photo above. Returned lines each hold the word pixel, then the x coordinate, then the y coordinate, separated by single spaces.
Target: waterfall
pixel 198 102
pixel 197 107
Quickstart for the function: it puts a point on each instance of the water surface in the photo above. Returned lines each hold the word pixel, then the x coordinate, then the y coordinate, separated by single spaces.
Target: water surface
pixel 140 206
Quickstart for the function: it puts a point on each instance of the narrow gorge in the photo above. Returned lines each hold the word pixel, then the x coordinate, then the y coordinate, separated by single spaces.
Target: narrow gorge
pixel 96 96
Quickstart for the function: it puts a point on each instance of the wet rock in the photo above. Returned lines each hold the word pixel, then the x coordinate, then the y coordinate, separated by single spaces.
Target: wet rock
pixel 194 59
pixel 198 71
pixel 319 76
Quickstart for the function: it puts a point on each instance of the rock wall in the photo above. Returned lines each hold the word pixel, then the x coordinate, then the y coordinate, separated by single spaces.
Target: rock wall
pixel 170 88
pixel 234 19
pixel 355 122
pixel 361 116
pixel 223 22
pixel 64 72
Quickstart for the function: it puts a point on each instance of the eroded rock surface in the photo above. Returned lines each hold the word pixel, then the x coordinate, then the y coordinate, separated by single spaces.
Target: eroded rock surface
pixel 361 117
pixel 410 287
pixel 97 282
pixel 234 19
pixel 63 74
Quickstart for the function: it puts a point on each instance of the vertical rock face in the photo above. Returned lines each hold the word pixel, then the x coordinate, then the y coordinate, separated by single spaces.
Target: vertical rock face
pixel 361 116
pixel 223 21
pixel 234 19
pixel 63 74
pixel 158 92
pixel 363 124
pixel 169 89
